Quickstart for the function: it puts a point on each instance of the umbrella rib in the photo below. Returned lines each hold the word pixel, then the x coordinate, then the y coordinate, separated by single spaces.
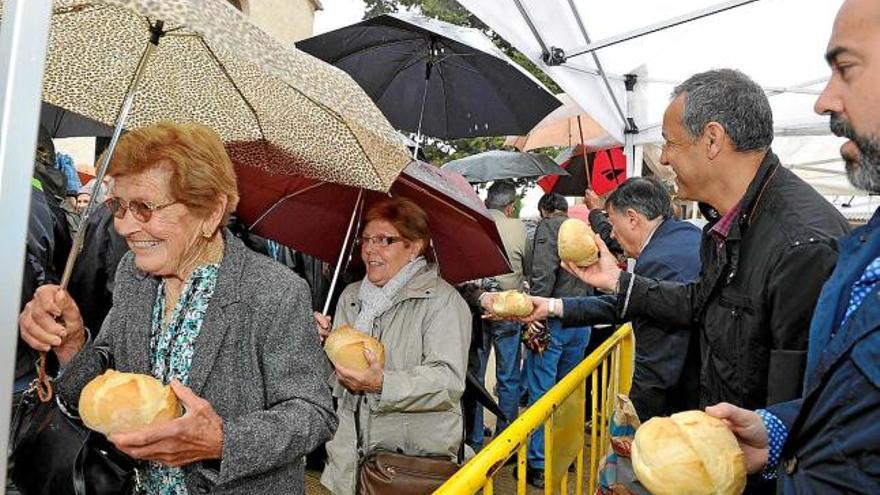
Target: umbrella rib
pixel 235 86
pixel 371 48
pixel 447 60
pixel 445 97
pixel 285 198
pixel 400 70
pixel 442 199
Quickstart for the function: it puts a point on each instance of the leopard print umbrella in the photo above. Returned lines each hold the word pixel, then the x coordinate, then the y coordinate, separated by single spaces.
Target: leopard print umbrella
pixel 277 108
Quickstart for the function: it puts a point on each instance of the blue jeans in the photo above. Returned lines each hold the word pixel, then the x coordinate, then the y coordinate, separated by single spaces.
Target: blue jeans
pixel 566 350
pixel 503 336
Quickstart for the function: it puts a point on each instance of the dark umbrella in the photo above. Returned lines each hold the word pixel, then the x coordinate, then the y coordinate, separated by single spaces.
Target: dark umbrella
pixel 63 123
pixel 475 390
pixel 414 67
pixel 601 171
pixel 498 165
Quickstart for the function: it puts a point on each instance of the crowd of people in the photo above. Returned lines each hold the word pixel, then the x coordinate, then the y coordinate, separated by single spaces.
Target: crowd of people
pixel 768 318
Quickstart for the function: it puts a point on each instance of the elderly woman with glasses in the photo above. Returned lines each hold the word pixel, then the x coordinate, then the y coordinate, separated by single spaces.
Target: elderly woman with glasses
pixel 411 405
pixel 228 329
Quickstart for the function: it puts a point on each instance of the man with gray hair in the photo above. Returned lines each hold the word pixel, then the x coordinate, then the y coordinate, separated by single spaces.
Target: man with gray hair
pixel 503 336
pixel 667 364
pixel 769 246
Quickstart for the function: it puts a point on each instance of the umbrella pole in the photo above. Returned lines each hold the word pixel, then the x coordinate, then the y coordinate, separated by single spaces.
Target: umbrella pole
pixel 422 112
pixel 44 385
pixel 156 33
pixel 344 251
pixel 584 149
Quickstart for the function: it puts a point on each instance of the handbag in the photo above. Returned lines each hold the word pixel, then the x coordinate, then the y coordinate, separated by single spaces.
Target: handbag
pixel 53 452
pixel 382 472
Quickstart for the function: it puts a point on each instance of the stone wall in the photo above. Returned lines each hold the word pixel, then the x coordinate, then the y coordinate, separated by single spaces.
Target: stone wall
pixel 287 20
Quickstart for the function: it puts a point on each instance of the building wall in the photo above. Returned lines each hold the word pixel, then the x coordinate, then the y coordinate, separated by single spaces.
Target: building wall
pixel 287 20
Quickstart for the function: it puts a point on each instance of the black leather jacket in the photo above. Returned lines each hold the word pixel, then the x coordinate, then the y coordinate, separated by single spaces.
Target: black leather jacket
pixel 755 296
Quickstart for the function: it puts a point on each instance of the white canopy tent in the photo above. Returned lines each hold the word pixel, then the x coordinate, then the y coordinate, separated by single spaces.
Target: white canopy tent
pixel 779 43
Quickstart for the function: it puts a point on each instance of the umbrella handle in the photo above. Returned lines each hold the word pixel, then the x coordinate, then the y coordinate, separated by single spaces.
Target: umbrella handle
pixel 355 214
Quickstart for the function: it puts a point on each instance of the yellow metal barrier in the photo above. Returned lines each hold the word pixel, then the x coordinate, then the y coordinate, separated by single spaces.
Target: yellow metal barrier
pixel 562 412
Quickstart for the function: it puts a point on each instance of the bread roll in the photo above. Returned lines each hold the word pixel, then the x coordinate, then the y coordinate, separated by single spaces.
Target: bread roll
pixel 115 402
pixel 690 453
pixel 511 303
pixel 345 347
pixel 576 243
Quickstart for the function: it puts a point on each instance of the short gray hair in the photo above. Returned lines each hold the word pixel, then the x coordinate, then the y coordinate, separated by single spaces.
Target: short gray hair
pixel 646 196
pixel 500 195
pixel 733 100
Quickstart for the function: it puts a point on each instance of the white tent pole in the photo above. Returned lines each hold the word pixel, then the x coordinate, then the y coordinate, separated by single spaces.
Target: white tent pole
pixel 632 151
pixel 659 26
pixel 531 25
pixel 24 35
pixel 583 29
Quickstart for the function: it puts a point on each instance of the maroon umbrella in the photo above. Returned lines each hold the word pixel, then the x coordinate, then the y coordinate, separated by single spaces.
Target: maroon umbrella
pixel 315 217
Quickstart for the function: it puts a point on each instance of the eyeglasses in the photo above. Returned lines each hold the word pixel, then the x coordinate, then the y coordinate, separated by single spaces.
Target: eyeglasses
pixel 142 211
pixel 377 240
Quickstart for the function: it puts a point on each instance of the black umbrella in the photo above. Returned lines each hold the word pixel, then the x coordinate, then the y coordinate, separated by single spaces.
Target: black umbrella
pixel 63 123
pixel 435 78
pixel 579 167
pixel 474 390
pixel 498 165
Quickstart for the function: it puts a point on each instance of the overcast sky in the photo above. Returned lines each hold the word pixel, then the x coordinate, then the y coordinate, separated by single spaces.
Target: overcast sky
pixel 338 13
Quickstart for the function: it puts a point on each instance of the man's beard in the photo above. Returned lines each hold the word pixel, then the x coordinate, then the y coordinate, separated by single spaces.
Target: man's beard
pixel 863 172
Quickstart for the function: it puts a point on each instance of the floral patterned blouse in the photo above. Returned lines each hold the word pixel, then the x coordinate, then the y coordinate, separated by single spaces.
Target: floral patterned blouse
pixel 172 347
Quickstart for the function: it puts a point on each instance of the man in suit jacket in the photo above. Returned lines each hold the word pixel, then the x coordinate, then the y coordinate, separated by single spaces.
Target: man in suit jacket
pixel 828 441
pixel 667 357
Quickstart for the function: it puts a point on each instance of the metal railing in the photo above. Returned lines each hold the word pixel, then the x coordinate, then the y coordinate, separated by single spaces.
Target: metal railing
pixel 561 411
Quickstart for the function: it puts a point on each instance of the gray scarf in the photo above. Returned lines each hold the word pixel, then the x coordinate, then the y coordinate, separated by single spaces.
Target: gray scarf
pixel 377 300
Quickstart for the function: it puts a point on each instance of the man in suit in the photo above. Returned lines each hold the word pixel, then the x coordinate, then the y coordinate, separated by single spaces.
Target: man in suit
pixel 667 357
pixel 828 440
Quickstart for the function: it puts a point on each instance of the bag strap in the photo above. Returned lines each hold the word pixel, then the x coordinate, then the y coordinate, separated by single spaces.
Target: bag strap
pixel 79 467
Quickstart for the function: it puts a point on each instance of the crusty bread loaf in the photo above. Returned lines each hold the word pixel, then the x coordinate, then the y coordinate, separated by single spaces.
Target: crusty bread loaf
pixel 689 453
pixel 345 347
pixel 116 402
pixel 511 303
pixel 576 243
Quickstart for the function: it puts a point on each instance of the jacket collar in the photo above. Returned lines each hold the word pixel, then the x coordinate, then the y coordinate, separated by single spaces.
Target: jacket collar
pixel 750 200
pixel 423 285
pixel 215 324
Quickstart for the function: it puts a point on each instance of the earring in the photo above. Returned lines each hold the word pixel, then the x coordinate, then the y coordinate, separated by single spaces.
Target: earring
pixel 206 234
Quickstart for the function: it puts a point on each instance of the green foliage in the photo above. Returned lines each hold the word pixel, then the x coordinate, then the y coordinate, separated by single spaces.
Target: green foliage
pixel 439 151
